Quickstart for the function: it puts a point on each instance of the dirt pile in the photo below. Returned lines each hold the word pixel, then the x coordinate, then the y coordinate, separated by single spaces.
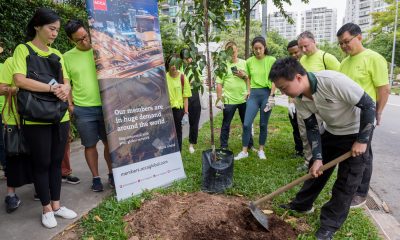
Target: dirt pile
pixel 202 216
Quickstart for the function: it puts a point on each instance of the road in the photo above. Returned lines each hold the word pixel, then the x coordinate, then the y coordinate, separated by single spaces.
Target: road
pixel 386 147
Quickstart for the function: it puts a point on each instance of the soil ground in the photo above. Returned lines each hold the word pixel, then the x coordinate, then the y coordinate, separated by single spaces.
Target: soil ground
pixel 202 216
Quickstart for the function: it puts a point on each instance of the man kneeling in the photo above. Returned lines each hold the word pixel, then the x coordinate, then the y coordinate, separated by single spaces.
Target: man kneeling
pixel 348 114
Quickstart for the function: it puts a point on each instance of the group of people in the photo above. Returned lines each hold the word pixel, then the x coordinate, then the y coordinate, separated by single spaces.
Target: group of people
pixel 333 107
pixel 70 77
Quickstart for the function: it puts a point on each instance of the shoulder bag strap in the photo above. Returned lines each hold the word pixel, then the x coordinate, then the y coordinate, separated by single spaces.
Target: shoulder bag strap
pixel 323 60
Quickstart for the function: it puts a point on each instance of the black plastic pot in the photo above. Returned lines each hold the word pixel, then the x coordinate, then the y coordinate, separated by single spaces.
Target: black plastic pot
pixel 217 174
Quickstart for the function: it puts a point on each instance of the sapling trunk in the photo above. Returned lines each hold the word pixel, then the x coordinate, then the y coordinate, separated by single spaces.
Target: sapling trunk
pixel 206 28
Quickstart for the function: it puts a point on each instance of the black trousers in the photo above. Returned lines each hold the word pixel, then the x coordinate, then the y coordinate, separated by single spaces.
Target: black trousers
pixel 366 179
pixel 298 144
pixel 228 114
pixel 349 177
pixel 194 116
pixel 178 115
pixel 47 146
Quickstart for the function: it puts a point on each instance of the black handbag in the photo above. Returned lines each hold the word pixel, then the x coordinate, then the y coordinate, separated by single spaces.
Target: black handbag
pixel 14 141
pixel 41 106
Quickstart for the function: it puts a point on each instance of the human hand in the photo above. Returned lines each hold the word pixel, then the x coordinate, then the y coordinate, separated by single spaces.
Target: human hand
pixel 221 105
pixel 378 116
pixel 315 168
pixel 61 91
pixel 185 119
pixel 292 110
pixel 358 149
pixel 240 73
pixel 270 104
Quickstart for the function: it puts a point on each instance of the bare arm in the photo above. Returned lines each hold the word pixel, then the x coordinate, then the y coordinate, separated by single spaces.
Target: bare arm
pixel 219 90
pixel 185 105
pixel 382 98
pixel 23 82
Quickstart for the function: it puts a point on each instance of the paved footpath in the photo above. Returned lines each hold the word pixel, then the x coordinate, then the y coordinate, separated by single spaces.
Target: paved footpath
pixel 25 222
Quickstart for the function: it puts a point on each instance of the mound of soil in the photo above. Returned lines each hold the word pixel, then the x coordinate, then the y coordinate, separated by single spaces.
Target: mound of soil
pixel 202 216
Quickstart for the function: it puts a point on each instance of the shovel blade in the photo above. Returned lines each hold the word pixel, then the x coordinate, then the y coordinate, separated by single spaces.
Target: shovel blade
pixel 259 215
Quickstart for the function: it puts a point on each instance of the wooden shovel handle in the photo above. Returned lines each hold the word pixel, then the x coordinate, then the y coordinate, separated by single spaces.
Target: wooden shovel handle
pixel 302 179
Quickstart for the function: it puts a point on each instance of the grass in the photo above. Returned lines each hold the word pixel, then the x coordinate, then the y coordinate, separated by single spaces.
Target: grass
pixel 252 179
pixel 395 90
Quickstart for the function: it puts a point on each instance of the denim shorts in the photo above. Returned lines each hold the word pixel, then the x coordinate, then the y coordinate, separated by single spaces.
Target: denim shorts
pixel 90 124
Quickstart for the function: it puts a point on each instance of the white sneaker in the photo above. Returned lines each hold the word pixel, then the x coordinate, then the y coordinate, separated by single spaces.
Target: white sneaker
pixel 241 155
pixel 48 220
pixel 261 155
pixel 65 213
pixel 191 149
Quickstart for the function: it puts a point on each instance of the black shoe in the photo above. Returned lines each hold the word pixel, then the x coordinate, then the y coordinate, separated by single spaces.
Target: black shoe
pixel 71 179
pixel 290 207
pixel 322 234
pixel 12 203
pixel 111 180
pixel 97 186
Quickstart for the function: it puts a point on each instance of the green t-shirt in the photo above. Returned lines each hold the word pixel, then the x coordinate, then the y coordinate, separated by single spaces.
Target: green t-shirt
pixel 6 77
pixel 235 88
pixel 368 68
pixel 19 66
pixel 315 62
pixel 175 90
pixel 81 70
pixel 258 71
pixel 1 97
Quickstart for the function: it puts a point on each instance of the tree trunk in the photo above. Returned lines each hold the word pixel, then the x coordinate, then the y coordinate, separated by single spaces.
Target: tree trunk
pixel 206 28
pixel 247 39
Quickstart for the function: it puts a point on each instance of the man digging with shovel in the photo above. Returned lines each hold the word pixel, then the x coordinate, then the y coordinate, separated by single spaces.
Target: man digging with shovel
pixel 348 114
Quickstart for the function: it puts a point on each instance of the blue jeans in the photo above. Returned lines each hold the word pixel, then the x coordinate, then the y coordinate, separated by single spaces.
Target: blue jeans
pixel 228 114
pixel 256 102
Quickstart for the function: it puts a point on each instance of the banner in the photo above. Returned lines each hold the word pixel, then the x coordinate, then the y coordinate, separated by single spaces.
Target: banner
pixel 130 67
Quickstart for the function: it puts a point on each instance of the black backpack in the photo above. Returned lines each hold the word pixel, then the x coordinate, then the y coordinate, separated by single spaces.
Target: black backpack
pixel 41 106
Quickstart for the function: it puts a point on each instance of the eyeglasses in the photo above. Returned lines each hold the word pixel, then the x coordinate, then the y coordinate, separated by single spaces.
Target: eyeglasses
pixel 346 42
pixel 81 39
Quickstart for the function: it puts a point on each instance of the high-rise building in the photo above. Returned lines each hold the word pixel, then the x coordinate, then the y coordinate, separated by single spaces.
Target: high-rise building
pixel 255 14
pixel 359 12
pixel 321 22
pixel 277 22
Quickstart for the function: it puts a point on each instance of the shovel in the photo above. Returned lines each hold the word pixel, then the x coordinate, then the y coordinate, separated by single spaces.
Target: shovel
pixel 261 217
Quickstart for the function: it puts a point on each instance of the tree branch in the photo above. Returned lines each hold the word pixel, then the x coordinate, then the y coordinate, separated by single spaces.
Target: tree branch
pixel 251 9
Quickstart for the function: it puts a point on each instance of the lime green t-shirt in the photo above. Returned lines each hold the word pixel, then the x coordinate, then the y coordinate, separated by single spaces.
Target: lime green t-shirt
pixel 175 90
pixel 368 68
pixel 315 62
pixel 6 77
pixel 81 70
pixel 1 97
pixel 234 88
pixel 19 66
pixel 258 71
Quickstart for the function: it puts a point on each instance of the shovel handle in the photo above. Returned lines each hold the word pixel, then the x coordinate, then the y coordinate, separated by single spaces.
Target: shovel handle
pixel 302 179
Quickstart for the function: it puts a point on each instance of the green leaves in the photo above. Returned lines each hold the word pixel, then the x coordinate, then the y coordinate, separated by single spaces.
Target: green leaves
pixel 15 15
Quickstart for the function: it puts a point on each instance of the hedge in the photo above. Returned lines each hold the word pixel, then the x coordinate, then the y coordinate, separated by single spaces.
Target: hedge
pixel 15 15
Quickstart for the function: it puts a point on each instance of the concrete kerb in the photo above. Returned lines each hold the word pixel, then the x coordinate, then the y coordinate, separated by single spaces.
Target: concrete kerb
pixel 388 226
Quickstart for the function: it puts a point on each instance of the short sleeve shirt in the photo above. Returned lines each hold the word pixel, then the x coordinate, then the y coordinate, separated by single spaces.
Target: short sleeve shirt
pixel 368 68
pixel 234 88
pixel 6 77
pixel 19 66
pixel 334 100
pixel 176 94
pixel 1 97
pixel 81 69
pixel 315 62
pixel 258 71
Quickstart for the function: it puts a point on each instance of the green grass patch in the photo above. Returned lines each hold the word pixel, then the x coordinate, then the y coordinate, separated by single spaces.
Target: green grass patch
pixel 253 178
pixel 395 90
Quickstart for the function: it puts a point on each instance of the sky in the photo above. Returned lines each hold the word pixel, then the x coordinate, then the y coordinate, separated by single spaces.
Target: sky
pixel 298 6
